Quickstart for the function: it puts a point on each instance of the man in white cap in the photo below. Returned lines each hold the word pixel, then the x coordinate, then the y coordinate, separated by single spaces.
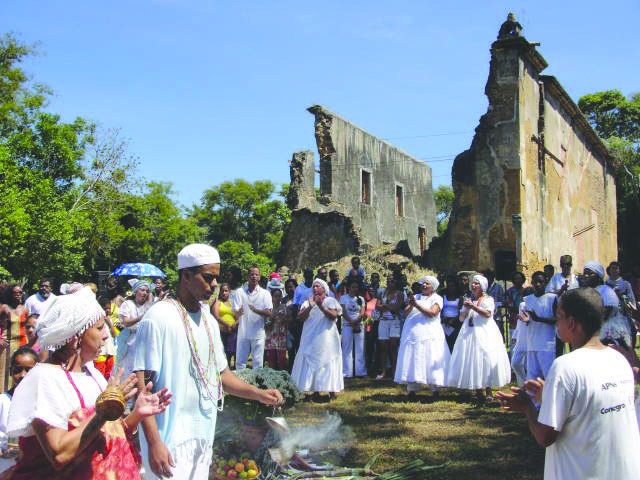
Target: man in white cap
pixel 179 347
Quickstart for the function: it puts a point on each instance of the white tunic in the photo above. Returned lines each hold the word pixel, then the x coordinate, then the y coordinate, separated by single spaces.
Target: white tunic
pixel 479 358
pixel 423 356
pixel 318 364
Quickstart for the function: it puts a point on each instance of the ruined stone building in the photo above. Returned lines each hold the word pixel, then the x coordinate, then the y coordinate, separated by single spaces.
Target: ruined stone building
pixel 371 193
pixel 536 182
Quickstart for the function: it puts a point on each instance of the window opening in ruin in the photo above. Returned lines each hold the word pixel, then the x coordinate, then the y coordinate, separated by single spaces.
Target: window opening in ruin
pixel 422 239
pixel 365 187
pixel 399 201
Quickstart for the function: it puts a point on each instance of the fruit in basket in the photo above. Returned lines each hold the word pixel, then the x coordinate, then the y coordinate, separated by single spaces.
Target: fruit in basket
pixel 239 467
pixel 251 473
pixel 232 474
pixel 232 462
pixel 243 475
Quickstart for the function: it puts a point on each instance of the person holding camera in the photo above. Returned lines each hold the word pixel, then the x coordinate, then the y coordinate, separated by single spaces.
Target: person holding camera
pixel 353 313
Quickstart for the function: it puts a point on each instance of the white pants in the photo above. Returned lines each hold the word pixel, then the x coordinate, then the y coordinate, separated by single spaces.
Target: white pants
pixel 519 365
pixel 246 345
pixel 389 329
pixel 348 340
pixel 539 363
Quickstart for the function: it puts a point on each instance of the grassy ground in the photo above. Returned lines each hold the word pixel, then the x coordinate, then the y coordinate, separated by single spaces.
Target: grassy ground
pixel 478 442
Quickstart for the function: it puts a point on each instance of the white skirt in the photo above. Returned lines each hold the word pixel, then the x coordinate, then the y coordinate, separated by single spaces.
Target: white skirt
pixel 479 358
pixel 423 361
pixel 308 377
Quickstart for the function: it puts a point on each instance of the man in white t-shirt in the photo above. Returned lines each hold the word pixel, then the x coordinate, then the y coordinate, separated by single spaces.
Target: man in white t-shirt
pixel 587 419
pixel 257 306
pixel 39 302
pixel 564 280
pixel 539 315
pixel 179 347
pixel 353 308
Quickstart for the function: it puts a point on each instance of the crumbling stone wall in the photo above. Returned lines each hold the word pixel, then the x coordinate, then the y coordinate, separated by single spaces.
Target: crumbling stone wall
pixel 345 150
pixel 536 178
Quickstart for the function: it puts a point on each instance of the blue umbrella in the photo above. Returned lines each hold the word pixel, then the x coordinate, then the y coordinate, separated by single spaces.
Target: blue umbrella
pixel 138 270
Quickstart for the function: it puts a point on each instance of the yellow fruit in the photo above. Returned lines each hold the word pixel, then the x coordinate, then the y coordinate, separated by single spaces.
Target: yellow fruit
pixel 251 473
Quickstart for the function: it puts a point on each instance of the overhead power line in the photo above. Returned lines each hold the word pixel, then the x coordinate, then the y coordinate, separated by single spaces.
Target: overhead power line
pixel 444 134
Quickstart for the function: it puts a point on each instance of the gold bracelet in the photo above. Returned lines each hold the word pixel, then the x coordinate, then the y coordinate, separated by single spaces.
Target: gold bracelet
pixel 110 403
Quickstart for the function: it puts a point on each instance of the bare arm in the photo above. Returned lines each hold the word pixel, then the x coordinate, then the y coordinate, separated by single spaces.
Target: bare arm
pixel 61 446
pixel 239 388
pixel 303 313
pixel 519 401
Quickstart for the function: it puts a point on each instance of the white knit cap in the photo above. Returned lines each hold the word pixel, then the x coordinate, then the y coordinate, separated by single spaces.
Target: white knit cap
pixel 69 315
pixel 197 254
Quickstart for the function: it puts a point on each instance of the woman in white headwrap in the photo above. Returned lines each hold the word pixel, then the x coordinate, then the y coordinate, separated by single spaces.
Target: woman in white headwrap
pixel 131 312
pixel 423 358
pixel 479 359
pixel 318 364
pixel 68 419
pixel 615 329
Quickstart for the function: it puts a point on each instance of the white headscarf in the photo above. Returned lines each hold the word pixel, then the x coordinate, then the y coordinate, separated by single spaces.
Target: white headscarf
pixel 69 315
pixel 431 280
pixel 324 285
pixel 484 283
pixel 596 268
pixel 136 284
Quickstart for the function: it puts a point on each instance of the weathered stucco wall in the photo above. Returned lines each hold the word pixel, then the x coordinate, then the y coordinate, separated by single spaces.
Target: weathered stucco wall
pixel 535 181
pixel 345 151
pixel 570 198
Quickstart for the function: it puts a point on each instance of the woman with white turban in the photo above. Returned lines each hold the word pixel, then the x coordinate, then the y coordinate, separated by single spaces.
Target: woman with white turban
pixel 131 312
pixel 479 359
pixel 69 421
pixel 615 329
pixel 423 358
pixel 318 364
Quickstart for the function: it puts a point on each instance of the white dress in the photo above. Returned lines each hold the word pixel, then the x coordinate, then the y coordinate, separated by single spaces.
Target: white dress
pixel 479 358
pixel 423 356
pixel 318 363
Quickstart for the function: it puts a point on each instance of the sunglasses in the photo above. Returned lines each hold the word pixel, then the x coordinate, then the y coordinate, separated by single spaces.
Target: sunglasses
pixel 17 369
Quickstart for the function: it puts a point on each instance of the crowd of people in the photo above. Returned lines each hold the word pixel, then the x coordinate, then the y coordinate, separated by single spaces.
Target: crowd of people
pixel 462 331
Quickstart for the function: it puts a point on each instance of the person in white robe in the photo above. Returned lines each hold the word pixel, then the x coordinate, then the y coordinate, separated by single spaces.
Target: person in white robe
pixel 424 356
pixel 318 364
pixel 479 359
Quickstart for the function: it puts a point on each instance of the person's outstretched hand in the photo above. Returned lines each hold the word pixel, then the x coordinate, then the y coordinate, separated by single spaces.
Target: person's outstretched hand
pixel 148 404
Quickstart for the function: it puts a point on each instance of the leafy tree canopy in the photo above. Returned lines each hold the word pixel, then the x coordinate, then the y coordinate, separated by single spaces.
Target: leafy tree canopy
pixel 444 203
pixel 616 118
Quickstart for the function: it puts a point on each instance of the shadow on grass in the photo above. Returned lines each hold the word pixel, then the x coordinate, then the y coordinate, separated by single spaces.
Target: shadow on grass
pixel 479 442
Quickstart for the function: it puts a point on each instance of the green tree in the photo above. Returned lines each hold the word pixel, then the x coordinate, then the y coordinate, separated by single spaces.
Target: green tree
pixel 443 197
pixel 39 235
pixel 244 212
pixel 616 118
pixel 240 254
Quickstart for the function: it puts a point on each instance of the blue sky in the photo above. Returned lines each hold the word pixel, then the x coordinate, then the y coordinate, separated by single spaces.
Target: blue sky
pixel 208 91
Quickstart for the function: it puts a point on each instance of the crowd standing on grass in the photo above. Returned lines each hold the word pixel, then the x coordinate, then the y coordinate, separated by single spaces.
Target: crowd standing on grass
pixel 563 337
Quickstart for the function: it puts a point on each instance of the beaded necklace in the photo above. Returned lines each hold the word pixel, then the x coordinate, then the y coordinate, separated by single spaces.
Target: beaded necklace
pixel 201 374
